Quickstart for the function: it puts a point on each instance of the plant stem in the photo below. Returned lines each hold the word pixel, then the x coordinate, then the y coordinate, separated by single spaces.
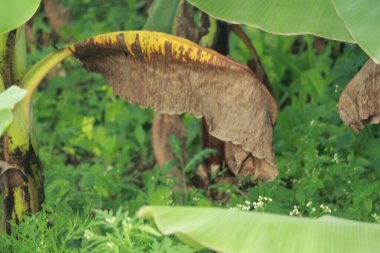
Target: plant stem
pixel 36 74
pixel 256 65
pixel 22 185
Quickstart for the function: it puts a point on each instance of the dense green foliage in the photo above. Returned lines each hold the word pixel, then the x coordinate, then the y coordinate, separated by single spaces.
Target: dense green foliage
pixel 96 148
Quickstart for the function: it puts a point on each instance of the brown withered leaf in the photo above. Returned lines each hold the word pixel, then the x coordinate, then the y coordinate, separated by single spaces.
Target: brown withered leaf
pixel 201 172
pixel 163 127
pixel 173 75
pixel 359 102
pixel 239 161
pixel 185 24
pixel 58 15
pixel 243 164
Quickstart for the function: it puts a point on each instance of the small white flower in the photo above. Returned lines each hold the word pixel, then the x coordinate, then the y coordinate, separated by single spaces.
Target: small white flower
pixel 127 226
pixel 295 211
pixel 376 217
pixel 110 245
pixel 335 159
pixel 336 88
pixel 110 220
pixel 325 208
pixel 88 234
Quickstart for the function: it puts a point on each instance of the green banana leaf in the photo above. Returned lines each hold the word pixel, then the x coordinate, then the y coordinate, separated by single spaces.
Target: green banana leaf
pixel 225 230
pixel 14 13
pixel 354 21
pixel 162 14
pixel 362 19
pixel 6 119
pixel 8 99
pixel 286 17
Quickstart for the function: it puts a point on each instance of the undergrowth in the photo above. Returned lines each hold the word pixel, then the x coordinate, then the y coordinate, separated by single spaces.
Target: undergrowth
pixel 100 169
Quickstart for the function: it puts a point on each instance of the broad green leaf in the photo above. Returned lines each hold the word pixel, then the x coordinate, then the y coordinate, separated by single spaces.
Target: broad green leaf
pixel 225 230
pixel 15 13
pixel 8 99
pixel 287 17
pixel 362 19
pixel 6 118
pixel 11 96
pixel 162 15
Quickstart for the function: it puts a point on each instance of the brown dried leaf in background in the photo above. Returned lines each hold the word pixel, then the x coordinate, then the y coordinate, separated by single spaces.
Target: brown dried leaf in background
pixel 185 24
pixel 58 15
pixel 359 102
pixel 163 127
pixel 239 161
pixel 173 75
pixel 202 173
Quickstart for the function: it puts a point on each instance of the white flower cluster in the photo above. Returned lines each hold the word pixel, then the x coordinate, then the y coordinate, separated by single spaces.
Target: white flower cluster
pixel 310 205
pixel 295 211
pixel 110 245
pixel 247 205
pixel 335 159
pixel 127 225
pixel 336 88
pixel 110 220
pixel 261 202
pixel 376 217
pixel 242 207
pixel 88 234
pixel 325 208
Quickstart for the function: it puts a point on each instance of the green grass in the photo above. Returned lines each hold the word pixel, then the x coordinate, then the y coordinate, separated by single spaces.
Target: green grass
pixel 99 164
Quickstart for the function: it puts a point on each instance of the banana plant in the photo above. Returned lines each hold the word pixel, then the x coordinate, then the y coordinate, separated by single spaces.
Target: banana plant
pixel 22 186
pixel 167 73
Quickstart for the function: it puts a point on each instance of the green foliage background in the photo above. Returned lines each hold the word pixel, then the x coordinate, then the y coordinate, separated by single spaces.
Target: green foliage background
pixel 99 164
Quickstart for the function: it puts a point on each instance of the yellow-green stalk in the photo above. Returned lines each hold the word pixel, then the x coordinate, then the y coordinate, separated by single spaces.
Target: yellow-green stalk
pixel 22 183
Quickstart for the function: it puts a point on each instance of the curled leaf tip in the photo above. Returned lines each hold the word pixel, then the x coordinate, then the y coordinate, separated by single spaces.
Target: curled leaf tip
pixel 359 102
